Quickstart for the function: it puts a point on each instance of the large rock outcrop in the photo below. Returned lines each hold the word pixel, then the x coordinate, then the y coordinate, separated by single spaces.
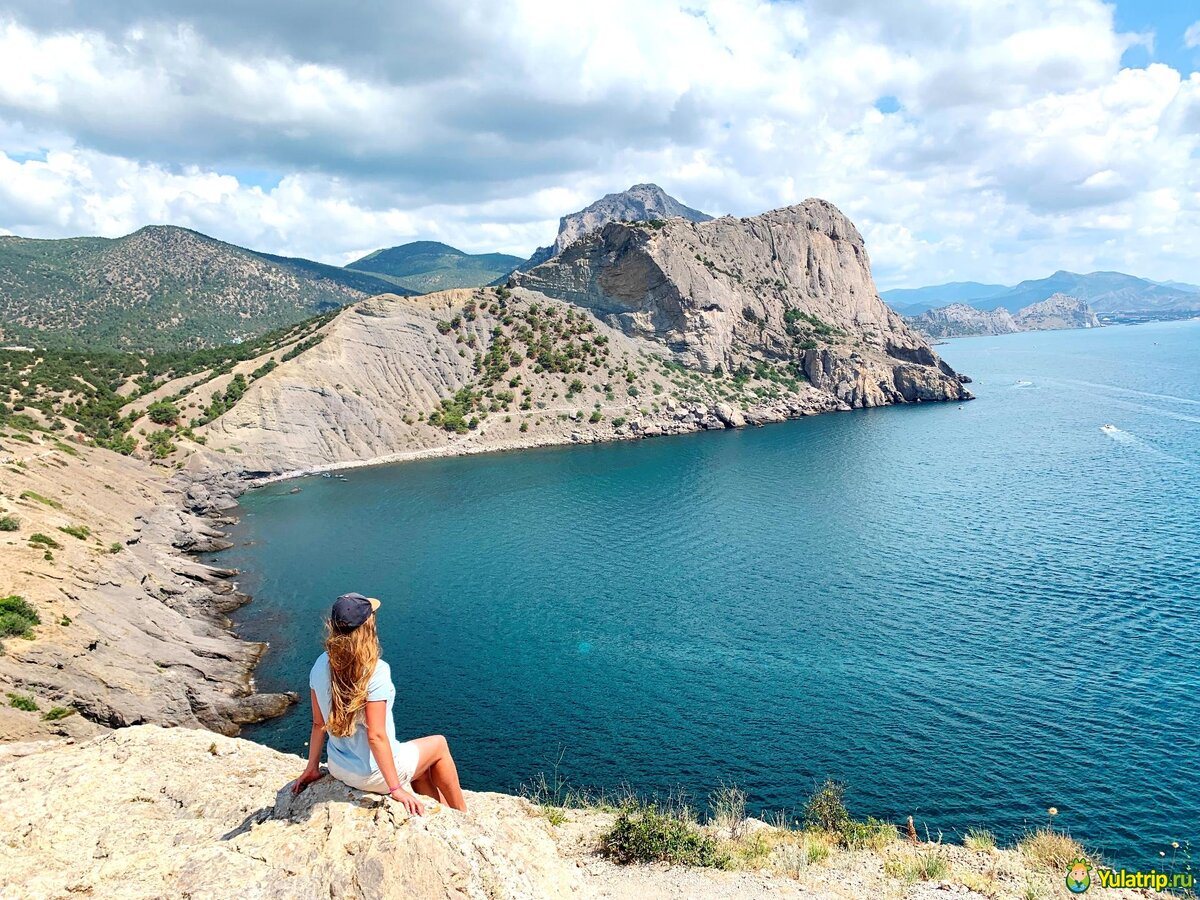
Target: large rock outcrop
pixel 642 202
pixel 152 812
pixel 131 630
pixel 791 286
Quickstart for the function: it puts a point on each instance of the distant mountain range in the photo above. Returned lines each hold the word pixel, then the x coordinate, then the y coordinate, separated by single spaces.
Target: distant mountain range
pixel 162 288
pixel 1104 292
pixel 641 203
pixel 426 266
pixel 960 320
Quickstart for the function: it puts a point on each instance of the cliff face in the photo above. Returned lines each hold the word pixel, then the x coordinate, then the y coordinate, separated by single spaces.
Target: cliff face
pixel 1058 311
pixel 641 202
pixel 960 320
pixel 792 286
pixel 130 630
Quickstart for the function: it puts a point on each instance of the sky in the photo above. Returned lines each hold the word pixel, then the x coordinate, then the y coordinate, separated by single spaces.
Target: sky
pixel 967 139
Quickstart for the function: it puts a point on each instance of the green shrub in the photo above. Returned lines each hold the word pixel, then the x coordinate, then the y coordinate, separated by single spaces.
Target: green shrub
pixel 826 808
pixel 163 412
pixel 46 501
pixel 9 523
pixel 57 712
pixel 618 421
pixel 643 834
pixel 160 444
pixel 17 617
pixel 869 835
pixel 44 540
pixel 23 702
pixel 76 531
pixel 595 417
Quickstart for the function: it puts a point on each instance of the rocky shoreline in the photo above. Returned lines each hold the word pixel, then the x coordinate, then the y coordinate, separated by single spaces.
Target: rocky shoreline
pixel 132 628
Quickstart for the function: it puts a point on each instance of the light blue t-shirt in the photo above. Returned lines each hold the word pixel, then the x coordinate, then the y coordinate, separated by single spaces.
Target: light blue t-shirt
pixel 353 753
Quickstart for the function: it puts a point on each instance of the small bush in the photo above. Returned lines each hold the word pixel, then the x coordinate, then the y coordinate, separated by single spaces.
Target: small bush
pixel 76 531
pixel 595 417
pixel 810 850
pixel 618 421
pixel 45 501
pixel 910 868
pixel 23 702
pixel 1050 849
pixel 44 540
pixel 980 840
pixel 9 523
pixel 163 412
pixel 643 834
pixel 17 617
pixel 826 808
pixel 728 807
pixel 57 712
pixel 869 835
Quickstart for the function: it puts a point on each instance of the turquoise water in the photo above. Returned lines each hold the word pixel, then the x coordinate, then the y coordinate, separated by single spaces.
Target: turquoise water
pixel 967 613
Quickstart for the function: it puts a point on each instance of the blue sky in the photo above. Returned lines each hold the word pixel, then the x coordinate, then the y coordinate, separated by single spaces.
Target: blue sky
pixel 968 140
pixel 1168 21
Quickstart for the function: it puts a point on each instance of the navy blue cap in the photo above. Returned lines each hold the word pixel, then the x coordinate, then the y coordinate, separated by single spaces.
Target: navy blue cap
pixel 351 610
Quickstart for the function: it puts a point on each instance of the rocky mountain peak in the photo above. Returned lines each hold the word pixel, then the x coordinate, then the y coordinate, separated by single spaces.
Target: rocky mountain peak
pixel 790 288
pixel 641 202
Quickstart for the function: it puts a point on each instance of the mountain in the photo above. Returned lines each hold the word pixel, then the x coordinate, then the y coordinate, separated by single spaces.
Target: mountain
pixel 959 319
pixel 638 329
pixel 1104 292
pixel 161 288
pixel 1182 286
pixel 914 300
pixel 792 286
pixel 642 202
pixel 425 266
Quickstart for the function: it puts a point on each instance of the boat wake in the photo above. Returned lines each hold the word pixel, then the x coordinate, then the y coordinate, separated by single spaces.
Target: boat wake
pixel 1131 440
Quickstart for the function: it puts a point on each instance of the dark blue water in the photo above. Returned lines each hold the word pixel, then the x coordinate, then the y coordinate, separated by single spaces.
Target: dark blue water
pixel 967 613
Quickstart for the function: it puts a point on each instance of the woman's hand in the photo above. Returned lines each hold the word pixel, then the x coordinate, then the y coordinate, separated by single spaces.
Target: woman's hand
pixel 408 801
pixel 307 777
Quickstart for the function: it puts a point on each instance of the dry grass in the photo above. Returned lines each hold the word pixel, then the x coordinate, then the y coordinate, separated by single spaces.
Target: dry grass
pixel 802 850
pixel 1048 849
pixel 979 840
pixel 911 866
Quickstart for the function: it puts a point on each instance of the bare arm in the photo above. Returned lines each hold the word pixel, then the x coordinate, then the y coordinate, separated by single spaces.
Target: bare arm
pixel 381 749
pixel 316 743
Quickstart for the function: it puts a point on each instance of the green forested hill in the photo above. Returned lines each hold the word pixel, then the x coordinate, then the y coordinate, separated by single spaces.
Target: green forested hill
pixel 427 266
pixel 161 288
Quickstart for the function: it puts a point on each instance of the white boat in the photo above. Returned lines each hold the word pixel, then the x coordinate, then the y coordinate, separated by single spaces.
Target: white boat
pixel 1109 427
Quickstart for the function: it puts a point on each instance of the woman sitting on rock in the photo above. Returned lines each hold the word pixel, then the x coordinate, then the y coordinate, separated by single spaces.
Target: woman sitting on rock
pixel 352 696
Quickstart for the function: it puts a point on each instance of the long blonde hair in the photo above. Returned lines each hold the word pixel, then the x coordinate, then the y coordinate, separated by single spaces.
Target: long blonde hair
pixel 353 654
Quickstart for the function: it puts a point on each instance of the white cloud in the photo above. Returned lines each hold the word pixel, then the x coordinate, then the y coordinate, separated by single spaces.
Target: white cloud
pixel 1191 37
pixel 1020 145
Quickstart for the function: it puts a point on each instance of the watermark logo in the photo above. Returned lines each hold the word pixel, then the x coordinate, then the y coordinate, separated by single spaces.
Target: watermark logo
pixel 1079 879
pixel 1079 876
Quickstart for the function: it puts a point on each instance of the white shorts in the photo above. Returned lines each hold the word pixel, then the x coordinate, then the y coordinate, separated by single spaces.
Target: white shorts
pixel 406 759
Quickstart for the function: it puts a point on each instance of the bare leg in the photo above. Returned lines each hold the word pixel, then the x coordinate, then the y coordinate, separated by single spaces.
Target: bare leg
pixel 423 784
pixel 435 763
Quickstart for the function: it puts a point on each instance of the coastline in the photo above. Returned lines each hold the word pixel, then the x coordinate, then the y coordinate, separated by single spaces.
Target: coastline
pixel 690 420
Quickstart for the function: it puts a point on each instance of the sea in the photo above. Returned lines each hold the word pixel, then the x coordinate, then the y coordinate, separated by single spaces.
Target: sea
pixel 969 613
